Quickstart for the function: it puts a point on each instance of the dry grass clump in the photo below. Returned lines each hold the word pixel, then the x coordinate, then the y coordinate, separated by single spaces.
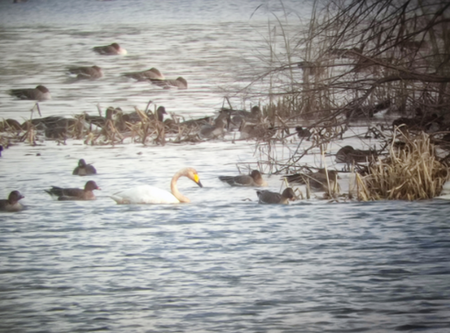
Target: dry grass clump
pixel 412 173
pixel 141 130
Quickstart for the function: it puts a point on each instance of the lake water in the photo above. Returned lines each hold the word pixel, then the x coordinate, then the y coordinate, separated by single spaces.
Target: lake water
pixel 222 263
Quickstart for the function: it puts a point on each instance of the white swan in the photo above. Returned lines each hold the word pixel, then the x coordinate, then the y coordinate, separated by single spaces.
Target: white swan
pixel 146 194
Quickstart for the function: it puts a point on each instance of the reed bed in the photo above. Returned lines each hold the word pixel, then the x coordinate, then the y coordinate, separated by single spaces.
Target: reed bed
pixel 353 60
pixel 411 173
pixel 116 127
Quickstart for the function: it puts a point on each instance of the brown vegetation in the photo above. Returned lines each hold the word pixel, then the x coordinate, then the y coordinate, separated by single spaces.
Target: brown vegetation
pixel 354 60
pixel 411 173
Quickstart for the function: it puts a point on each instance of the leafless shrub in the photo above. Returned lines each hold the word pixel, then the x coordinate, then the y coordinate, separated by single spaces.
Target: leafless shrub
pixel 355 55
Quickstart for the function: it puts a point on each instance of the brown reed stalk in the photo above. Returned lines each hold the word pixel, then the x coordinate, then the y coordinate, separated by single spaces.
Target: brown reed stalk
pixel 30 134
pixel 413 173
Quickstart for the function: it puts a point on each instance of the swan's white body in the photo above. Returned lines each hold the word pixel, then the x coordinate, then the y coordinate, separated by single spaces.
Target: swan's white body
pixel 146 194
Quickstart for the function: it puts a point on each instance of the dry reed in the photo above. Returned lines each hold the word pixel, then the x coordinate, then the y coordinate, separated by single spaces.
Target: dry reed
pixel 412 173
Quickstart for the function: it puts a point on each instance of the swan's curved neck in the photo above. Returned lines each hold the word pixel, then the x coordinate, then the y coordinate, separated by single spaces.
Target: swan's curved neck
pixel 174 188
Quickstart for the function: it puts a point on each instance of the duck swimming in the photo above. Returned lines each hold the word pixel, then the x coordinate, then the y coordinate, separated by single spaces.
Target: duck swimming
pixel 84 169
pixel 12 204
pixel 254 179
pixel 40 93
pixel 149 74
pixel 268 197
pixel 113 49
pixel 87 73
pixel 317 180
pixel 74 193
pixel 146 194
pixel 179 83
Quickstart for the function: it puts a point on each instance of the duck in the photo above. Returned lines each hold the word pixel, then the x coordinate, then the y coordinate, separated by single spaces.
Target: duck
pixel 135 117
pixel 256 131
pixel 179 83
pixel 84 169
pixel 64 194
pixel 55 127
pixel 348 154
pixel 159 114
pixel 209 131
pixel 12 204
pixel 100 120
pixel 58 127
pixel 11 124
pixel 268 197
pixel 146 194
pixel 240 116
pixel 89 73
pixel 113 49
pixel 420 122
pixel 40 93
pixel 254 179
pixel 196 123
pixel 303 132
pixel 317 180
pixel 149 74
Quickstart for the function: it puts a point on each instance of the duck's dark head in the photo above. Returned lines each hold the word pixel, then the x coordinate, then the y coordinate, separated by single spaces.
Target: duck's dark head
pixel 91 185
pixel 14 197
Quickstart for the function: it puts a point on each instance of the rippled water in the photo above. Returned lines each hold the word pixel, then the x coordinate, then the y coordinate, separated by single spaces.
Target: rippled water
pixel 217 48
pixel 208 57
pixel 220 264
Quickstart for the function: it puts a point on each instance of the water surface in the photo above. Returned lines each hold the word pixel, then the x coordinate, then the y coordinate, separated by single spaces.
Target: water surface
pixel 222 263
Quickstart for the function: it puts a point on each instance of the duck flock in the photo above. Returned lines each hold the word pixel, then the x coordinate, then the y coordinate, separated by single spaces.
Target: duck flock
pixel 140 125
pixel 134 124
pixel 250 124
pixel 147 194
